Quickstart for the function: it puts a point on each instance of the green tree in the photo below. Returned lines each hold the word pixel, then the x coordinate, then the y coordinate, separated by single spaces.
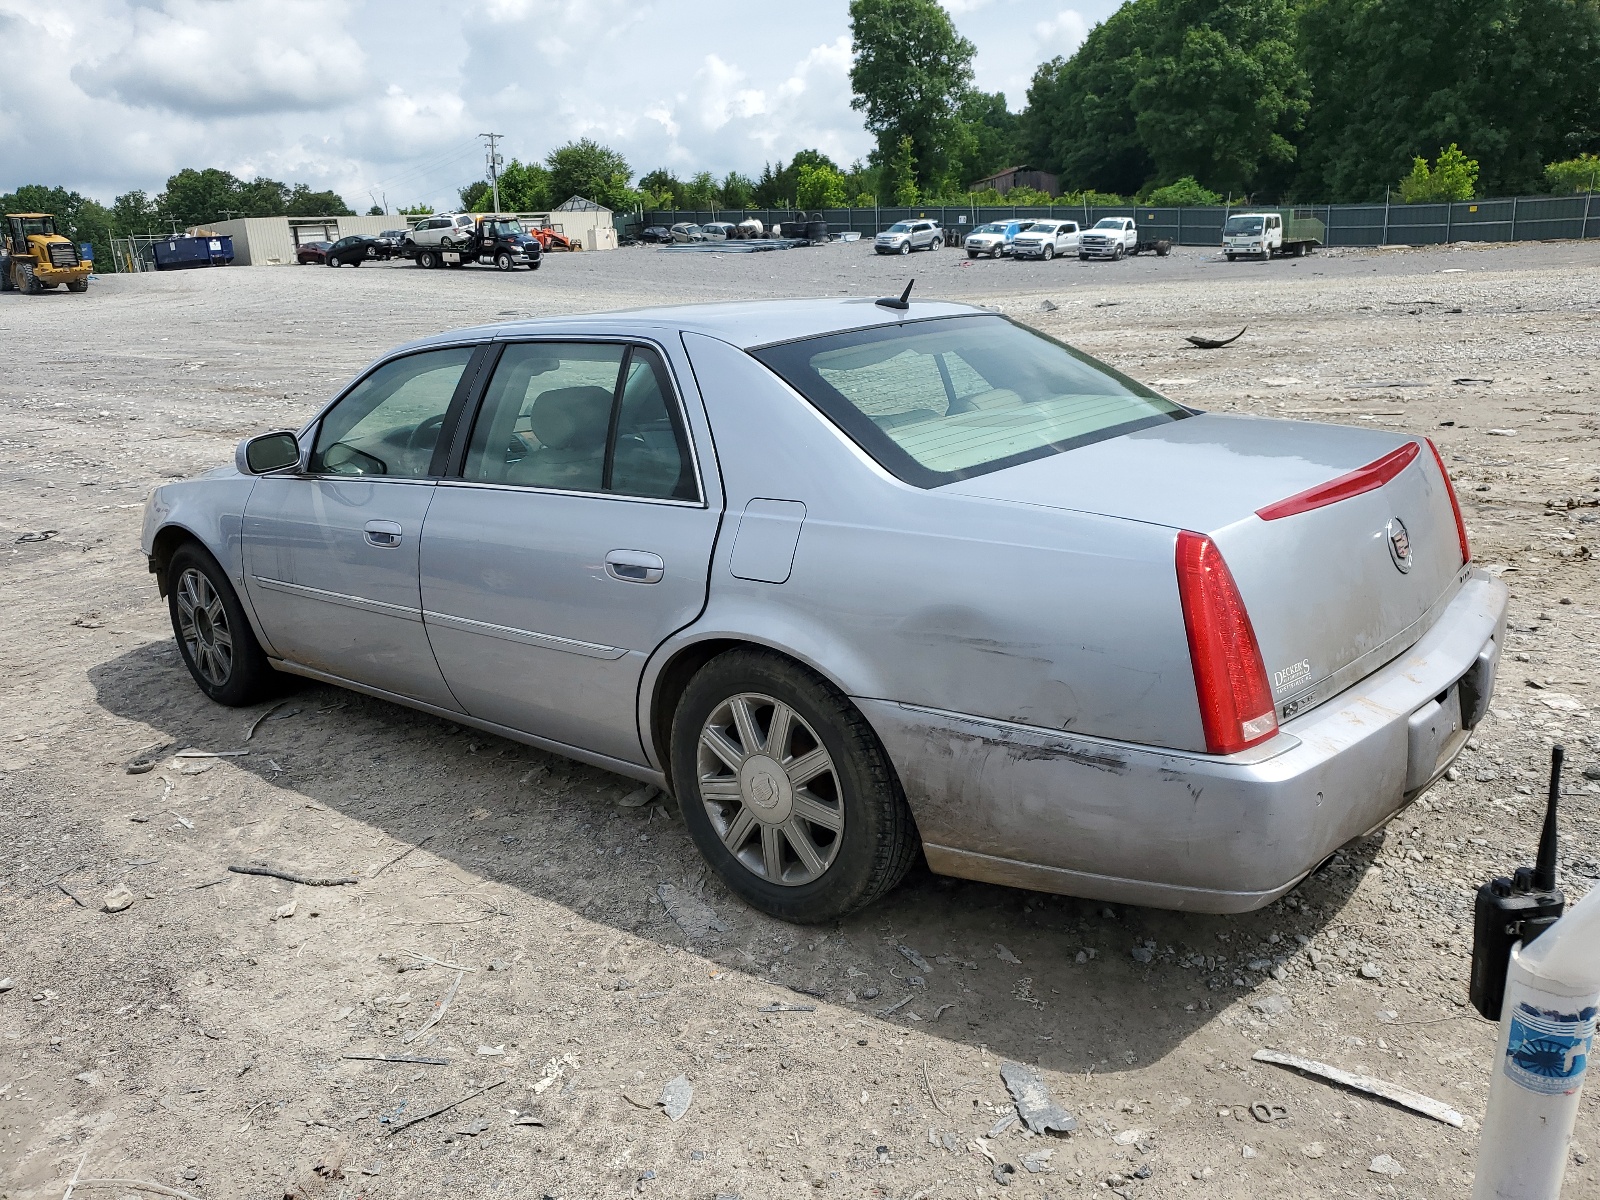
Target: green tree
pixel 195 197
pixel 1581 174
pixel 134 212
pixel 595 172
pixel 738 191
pixel 661 189
pixel 476 196
pixel 1168 88
pixel 990 137
pixel 900 174
pixel 864 200
pixel 524 187
pixel 777 185
pixel 1512 82
pixel 1453 176
pixel 701 192
pixel 1180 193
pixel 416 210
pixel 1080 120
pixel 819 187
pixel 910 71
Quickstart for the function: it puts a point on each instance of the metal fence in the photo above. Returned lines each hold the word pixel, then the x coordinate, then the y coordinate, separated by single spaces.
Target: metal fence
pixel 1517 219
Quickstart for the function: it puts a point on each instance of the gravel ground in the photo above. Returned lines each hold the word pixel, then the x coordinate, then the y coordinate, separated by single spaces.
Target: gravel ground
pixel 195 1039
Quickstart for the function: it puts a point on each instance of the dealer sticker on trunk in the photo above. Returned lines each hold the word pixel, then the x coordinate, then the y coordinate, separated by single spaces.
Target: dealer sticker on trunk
pixel 1294 673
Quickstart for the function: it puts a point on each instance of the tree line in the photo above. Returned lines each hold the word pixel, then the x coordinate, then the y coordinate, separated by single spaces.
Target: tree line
pixel 191 198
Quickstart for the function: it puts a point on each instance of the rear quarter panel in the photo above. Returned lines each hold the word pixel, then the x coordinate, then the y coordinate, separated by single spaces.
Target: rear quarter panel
pixel 1043 617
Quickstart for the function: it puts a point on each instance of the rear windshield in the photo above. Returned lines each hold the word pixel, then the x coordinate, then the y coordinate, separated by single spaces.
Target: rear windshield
pixel 937 401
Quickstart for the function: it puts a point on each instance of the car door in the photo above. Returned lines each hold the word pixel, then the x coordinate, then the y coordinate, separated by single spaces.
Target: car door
pixel 574 539
pixel 1067 236
pixel 330 552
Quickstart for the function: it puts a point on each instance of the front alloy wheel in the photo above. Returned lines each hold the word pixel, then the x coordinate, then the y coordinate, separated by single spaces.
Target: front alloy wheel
pixel 770 789
pixel 905 247
pixel 204 628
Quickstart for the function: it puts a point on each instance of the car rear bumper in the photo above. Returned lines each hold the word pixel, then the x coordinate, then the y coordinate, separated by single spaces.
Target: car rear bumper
pixel 1050 811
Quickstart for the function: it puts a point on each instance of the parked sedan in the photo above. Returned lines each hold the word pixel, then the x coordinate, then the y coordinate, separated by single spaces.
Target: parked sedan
pixel 312 252
pixel 350 251
pixel 994 239
pixel 1045 240
pixel 687 231
pixel 994 601
pixel 718 231
pixel 655 233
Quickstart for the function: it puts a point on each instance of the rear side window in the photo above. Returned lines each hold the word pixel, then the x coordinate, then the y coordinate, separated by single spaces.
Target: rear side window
pixel 937 401
pixel 582 417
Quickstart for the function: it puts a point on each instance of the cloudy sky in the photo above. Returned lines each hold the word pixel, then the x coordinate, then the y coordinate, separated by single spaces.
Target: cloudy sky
pixel 387 97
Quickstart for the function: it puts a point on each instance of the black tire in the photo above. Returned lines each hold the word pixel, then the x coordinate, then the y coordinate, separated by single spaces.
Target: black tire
pixel 905 247
pixel 1048 253
pixel 878 842
pixel 972 254
pixel 5 273
pixel 1232 257
pixel 26 282
pixel 355 262
pixel 1082 257
pixel 1117 254
pixel 427 259
pixel 1163 249
pixel 239 677
pixel 78 285
pixel 502 261
pixel 536 264
pixel 330 261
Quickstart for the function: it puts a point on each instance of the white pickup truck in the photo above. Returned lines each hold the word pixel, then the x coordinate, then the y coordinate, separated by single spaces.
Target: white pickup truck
pixel 1111 237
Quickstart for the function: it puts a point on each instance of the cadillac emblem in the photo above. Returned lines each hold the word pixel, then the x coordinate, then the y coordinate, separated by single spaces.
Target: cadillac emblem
pixel 1399 544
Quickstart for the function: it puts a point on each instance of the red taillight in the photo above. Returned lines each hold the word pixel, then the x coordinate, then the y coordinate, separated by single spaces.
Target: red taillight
pixel 1363 479
pixel 1230 679
pixel 1455 505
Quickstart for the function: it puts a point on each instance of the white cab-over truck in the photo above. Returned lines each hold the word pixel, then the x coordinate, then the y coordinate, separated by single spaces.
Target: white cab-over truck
pixel 1270 232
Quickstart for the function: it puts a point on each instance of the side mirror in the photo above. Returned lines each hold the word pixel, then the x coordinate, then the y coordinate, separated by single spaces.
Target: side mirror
pixel 268 453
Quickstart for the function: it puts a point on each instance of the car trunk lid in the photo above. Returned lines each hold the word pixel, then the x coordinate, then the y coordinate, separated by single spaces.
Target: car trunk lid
pixel 1336 584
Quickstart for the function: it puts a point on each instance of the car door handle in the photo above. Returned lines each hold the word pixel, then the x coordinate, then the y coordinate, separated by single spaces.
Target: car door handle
pixel 383 533
pixel 635 566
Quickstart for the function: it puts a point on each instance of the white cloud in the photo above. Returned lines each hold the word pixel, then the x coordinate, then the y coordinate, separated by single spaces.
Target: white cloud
pixel 390 95
pixel 209 58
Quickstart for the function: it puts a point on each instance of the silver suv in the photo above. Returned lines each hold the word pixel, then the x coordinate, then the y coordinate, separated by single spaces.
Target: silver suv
pixel 905 236
pixel 444 230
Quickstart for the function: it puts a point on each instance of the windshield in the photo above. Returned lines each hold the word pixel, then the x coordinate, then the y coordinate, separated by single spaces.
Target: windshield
pixel 1042 227
pixel 899 227
pixel 990 229
pixel 1109 223
pixel 1242 225
pixel 936 401
pixel 32 226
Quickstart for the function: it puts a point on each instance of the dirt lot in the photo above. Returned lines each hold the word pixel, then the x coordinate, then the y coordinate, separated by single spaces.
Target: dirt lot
pixel 196 1039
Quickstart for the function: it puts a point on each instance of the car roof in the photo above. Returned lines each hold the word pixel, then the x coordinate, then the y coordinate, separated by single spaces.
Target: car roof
pixel 746 324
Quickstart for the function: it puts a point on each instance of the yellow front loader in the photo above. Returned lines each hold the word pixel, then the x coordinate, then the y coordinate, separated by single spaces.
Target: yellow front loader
pixel 34 256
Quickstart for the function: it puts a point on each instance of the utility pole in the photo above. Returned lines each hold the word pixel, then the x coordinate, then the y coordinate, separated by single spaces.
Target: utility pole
pixel 495 162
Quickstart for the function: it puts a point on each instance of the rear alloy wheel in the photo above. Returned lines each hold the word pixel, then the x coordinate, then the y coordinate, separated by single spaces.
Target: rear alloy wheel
pixel 502 261
pixel 214 636
pixel 786 790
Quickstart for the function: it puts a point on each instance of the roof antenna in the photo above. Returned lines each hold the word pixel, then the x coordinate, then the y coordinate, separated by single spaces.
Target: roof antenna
pixel 904 302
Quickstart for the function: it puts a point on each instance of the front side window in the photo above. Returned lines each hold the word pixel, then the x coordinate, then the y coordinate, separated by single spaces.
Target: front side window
pixel 582 417
pixel 942 400
pixel 389 423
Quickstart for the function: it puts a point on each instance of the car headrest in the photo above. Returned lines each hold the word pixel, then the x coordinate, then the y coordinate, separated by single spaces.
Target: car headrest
pixel 564 418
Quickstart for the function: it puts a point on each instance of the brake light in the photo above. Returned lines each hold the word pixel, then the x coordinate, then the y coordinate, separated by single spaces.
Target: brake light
pixel 1363 479
pixel 1230 680
pixel 1455 505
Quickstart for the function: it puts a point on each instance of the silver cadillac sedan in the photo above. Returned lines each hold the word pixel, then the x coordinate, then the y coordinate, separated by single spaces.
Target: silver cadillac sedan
pixel 860 579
